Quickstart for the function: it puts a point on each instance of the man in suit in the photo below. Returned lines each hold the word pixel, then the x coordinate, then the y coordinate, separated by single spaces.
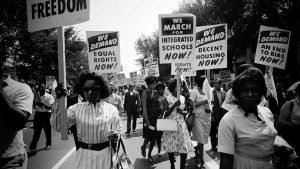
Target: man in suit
pixel 132 104
pixel 218 112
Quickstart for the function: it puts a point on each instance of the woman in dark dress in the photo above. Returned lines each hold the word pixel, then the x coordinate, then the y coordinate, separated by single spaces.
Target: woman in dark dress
pixel 151 113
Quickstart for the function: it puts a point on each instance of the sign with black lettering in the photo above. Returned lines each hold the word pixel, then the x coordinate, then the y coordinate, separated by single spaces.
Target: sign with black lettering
pixel 211 47
pixel 46 14
pixel 185 68
pixel 176 38
pixel 272 47
pixel 103 51
pixel 133 77
pixel 121 79
pixel 151 66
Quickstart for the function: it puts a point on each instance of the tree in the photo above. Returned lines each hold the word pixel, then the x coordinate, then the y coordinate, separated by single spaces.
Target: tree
pixel 37 51
pixel 244 18
pixel 148 47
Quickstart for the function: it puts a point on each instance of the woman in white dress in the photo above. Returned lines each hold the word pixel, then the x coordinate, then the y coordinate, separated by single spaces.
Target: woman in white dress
pixel 98 124
pixel 246 133
pixel 201 125
pixel 176 141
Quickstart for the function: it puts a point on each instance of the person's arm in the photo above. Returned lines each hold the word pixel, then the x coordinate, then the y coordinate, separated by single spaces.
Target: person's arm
pixel 18 113
pixel 226 161
pixel 138 101
pixel 13 116
pixel 200 102
pixel 170 110
pixel 125 102
pixel 120 103
pixel 144 104
pixel 285 116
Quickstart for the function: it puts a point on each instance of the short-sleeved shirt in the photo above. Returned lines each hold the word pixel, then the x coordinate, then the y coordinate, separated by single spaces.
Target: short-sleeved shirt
pixel 239 135
pixel 46 99
pixel 20 94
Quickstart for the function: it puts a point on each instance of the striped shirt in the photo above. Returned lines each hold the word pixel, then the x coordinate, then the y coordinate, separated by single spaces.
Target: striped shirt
pixel 94 121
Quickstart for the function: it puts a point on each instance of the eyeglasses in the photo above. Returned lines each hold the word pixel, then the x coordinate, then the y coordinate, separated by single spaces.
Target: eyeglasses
pixel 93 89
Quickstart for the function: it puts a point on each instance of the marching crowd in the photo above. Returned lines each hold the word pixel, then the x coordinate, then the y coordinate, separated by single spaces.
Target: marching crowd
pixel 242 121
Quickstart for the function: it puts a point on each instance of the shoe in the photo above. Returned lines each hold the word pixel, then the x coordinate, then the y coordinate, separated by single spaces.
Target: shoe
pixel 47 147
pixel 143 150
pixel 150 159
pixel 127 132
pixel 134 131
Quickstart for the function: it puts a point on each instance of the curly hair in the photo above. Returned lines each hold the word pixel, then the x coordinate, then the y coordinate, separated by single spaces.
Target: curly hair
pixel 98 79
pixel 161 86
pixel 252 74
pixel 150 79
pixel 172 85
pixel 199 81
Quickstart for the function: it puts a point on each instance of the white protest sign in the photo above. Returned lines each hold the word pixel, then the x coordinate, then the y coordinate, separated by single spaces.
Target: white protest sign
pixel 49 81
pixel 176 38
pixel 269 79
pixel 151 67
pixel 225 76
pixel 121 79
pixel 133 77
pixel 141 79
pixel 211 47
pixel 103 51
pixel 185 68
pixel 272 47
pixel 46 14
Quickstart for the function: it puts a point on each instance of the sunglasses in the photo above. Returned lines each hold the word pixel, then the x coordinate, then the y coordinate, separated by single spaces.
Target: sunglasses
pixel 93 89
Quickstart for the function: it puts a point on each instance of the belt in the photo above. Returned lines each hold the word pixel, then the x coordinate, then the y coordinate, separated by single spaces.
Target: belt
pixel 95 147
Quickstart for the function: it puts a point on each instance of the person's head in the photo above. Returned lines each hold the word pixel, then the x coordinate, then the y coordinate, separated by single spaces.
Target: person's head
pixel 218 84
pixel 243 67
pixel 130 87
pixel 113 89
pixel 249 87
pixel 160 87
pixel 199 81
pixel 172 87
pixel 94 87
pixel 151 82
pixel 42 89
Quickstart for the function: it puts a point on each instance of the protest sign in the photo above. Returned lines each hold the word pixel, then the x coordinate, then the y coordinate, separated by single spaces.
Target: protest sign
pixel 211 47
pixel 269 79
pixel 272 47
pixel 103 51
pixel 133 77
pixel 225 76
pixel 151 67
pixel 46 14
pixel 176 38
pixel 49 81
pixel 185 68
pixel 121 79
pixel 141 79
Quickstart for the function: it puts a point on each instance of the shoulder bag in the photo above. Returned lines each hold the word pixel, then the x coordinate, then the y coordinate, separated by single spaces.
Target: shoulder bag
pixel 166 124
pixel 121 161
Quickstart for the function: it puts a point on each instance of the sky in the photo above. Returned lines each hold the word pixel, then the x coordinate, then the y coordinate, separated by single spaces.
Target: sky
pixel 132 18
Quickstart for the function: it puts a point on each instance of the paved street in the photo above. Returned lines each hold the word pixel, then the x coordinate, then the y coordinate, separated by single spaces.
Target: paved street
pixel 61 155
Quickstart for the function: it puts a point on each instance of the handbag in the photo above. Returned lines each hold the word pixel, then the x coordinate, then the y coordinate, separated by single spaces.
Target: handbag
pixel 190 121
pixel 166 124
pixel 121 161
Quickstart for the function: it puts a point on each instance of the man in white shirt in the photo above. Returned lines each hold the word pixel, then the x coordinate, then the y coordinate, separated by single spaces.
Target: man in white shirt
pixel 16 101
pixel 42 118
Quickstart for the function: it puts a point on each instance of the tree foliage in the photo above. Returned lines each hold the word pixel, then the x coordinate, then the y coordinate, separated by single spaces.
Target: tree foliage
pixel 243 18
pixel 37 51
